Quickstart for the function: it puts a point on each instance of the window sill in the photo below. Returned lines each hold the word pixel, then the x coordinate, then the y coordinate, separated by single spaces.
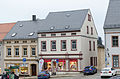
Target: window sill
pixel 53 50
pixel 63 49
pixel 16 56
pixel 73 49
pixel 24 56
pixel 43 50
pixel 8 56
pixel 33 56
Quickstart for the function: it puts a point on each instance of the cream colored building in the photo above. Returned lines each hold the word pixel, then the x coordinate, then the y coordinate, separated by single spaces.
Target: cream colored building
pixel 68 41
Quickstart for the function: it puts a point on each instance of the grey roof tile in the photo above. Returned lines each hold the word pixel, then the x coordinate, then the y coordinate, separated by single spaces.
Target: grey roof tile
pixel 58 20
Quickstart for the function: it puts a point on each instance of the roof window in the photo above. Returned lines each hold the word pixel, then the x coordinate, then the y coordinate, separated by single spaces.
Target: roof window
pixel 14 34
pixel 52 28
pixel 21 25
pixel 68 15
pixel 31 34
pixel 67 27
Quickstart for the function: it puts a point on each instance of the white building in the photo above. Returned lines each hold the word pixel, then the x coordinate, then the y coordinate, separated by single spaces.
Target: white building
pixel 112 34
pixel 67 41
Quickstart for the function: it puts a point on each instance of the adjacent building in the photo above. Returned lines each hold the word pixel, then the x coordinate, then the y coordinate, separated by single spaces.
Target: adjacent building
pixel 67 41
pixel 112 34
pixel 21 44
pixel 4 29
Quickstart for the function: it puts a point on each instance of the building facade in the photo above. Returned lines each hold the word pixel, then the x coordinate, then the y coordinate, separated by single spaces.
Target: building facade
pixel 4 29
pixel 70 41
pixel 112 34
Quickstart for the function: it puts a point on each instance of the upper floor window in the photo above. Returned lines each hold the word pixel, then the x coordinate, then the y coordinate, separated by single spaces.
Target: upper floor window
pixel 93 45
pixel 43 35
pixel 91 30
pixel 89 45
pixel 63 34
pixel 63 45
pixel 89 17
pixel 114 41
pixel 16 51
pixel 16 41
pixel 74 44
pixel 25 51
pixel 73 33
pixel 8 42
pixel 9 51
pixel 87 30
pixel 53 34
pixel 115 61
pixel 32 41
pixel 24 41
pixel 0 53
pixel 33 51
pixel 43 45
pixel 53 45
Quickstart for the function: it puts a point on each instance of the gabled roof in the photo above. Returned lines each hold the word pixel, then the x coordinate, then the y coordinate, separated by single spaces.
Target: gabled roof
pixel 55 22
pixel 113 15
pixel 4 29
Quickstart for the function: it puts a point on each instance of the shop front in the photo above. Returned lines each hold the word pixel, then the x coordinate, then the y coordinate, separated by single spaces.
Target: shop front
pixel 61 65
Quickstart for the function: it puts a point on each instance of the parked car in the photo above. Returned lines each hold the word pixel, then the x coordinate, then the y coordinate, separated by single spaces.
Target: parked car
pixel 89 70
pixel 108 72
pixel 44 75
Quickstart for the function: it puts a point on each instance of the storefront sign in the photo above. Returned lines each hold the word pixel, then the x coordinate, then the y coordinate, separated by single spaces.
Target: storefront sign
pixel 24 59
pixel 41 61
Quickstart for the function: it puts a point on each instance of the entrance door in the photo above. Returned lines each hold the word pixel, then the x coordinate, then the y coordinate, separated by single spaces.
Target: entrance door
pixel 33 68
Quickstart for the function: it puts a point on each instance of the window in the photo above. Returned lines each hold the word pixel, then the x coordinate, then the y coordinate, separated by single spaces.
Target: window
pixel 16 51
pixel 0 53
pixel 89 45
pixel 87 30
pixel 114 41
pixel 89 17
pixel 53 45
pixel 91 30
pixel 63 34
pixel 115 61
pixel 32 41
pixel 53 34
pixel 91 61
pixel 93 45
pixel 24 51
pixel 33 51
pixel 16 41
pixel 24 41
pixel 43 45
pixel 43 35
pixel 63 45
pixel 8 42
pixel 9 51
pixel 73 33
pixel 74 44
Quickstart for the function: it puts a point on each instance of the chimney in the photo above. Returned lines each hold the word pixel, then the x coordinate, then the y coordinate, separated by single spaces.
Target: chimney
pixel 34 17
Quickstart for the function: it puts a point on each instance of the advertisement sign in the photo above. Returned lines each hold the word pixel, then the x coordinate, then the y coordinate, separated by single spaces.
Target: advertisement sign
pixel 41 61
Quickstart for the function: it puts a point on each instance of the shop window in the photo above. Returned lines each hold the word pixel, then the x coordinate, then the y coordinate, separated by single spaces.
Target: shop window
pixel 43 45
pixel 16 51
pixel 114 41
pixel 63 45
pixel 91 61
pixel 53 45
pixel 116 61
pixel 33 51
pixel 73 65
pixel 25 51
pixel 24 68
pixel 9 51
pixel 61 65
pixel 74 44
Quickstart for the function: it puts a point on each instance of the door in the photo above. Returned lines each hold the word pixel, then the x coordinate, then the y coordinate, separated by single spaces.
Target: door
pixel 33 68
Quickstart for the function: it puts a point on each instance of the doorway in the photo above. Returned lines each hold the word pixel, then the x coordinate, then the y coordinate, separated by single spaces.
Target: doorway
pixel 33 69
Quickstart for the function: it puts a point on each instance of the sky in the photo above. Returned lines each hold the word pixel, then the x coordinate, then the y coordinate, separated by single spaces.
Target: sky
pixel 19 10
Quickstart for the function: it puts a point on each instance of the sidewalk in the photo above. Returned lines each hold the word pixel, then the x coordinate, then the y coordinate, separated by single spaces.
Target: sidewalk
pixel 52 76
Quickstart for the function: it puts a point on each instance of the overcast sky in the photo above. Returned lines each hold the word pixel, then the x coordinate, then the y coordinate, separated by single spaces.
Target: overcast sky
pixel 18 10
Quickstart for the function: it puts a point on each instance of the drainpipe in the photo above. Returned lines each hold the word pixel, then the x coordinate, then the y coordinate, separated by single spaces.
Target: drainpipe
pixel 105 50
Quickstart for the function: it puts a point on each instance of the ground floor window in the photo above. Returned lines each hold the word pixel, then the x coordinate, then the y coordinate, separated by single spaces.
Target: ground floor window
pixel 73 65
pixel 61 65
pixel 115 61
pixel 0 70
